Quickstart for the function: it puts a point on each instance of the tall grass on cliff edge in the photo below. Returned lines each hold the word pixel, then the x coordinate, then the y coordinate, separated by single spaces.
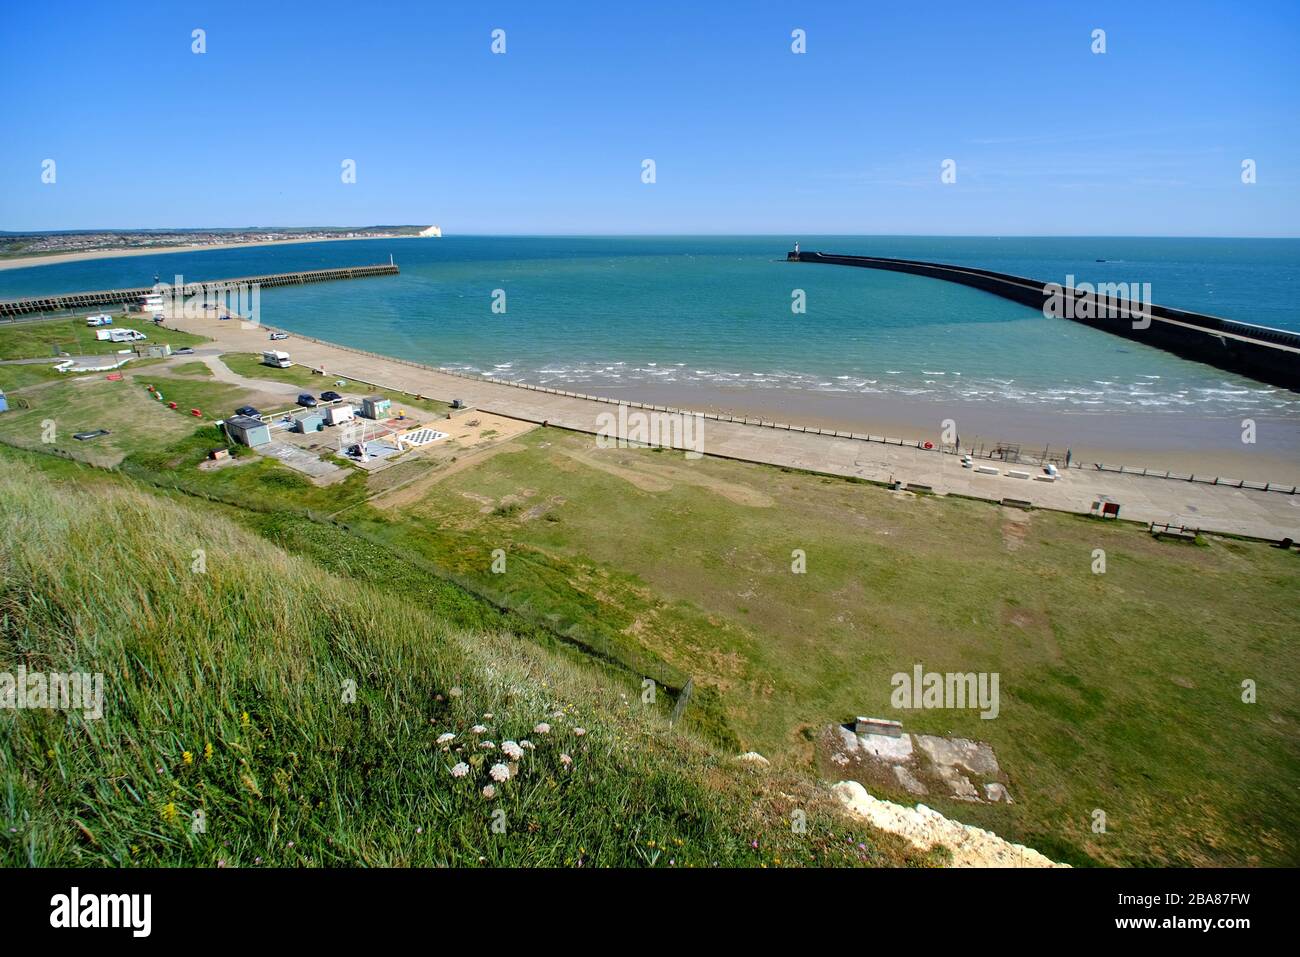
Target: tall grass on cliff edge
pixel 228 737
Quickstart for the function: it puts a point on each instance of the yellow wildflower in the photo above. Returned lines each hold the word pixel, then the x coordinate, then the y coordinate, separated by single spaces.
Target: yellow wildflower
pixel 187 757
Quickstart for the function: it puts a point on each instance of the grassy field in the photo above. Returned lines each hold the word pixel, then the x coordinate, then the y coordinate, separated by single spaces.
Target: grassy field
pixel 1119 691
pixel 250 365
pixel 19 376
pixel 59 410
pixel 33 340
pixel 259 711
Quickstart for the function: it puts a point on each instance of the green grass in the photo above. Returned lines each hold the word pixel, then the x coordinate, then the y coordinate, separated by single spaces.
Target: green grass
pixel 215 400
pixel 250 365
pixel 224 694
pixel 1119 691
pixel 13 377
pixel 59 410
pixel 33 340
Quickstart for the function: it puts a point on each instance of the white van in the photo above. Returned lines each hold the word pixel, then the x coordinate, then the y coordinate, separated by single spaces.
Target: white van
pixel 276 358
pixel 119 335
pixel 103 319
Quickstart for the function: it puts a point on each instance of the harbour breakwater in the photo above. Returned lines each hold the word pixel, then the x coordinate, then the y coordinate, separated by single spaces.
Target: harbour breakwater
pixel 13 308
pixel 1269 355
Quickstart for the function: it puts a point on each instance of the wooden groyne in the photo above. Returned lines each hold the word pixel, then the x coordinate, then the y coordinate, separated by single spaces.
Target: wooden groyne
pixel 13 308
pixel 1269 355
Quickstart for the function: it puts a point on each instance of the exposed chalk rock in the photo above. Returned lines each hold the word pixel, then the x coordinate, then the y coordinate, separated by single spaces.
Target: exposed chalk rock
pixel 924 827
pixel 997 792
pixel 908 780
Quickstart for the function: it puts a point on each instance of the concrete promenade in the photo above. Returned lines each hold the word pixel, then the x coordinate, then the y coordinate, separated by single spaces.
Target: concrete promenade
pixel 1215 508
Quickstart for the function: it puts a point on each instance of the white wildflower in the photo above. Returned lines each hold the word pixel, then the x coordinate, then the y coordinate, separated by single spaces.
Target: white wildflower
pixel 512 750
pixel 460 770
pixel 478 729
pixel 542 728
pixel 489 792
pixel 565 760
pixel 499 773
pixel 446 738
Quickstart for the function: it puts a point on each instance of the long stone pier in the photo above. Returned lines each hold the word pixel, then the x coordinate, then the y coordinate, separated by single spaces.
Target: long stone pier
pixel 12 308
pixel 1269 355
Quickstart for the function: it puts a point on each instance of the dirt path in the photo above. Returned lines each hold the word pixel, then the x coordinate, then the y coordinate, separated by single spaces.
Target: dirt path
pixel 222 373
pixel 473 437
pixel 412 492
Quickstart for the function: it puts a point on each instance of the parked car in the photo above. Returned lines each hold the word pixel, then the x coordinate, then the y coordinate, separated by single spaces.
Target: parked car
pixel 247 410
pixel 184 351
pixel 306 400
pixel 279 335
pixel 330 396
pixel 85 436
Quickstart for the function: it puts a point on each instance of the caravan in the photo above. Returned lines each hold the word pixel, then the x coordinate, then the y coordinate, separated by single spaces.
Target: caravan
pixel 276 358
pixel 119 335
pixel 103 319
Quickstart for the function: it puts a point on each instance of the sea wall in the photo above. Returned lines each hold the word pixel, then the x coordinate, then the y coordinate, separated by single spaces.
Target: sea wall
pixel 1269 355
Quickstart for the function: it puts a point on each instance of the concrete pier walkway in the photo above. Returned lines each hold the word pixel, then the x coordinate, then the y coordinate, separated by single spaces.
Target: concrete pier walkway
pixel 14 309
pixel 1213 508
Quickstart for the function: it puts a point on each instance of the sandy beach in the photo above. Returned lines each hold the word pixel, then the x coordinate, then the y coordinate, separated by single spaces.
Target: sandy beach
pixel 1240 511
pixel 23 262
pixel 1178 443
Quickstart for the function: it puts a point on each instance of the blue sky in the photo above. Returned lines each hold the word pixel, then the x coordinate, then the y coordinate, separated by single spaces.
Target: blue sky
pixel 748 137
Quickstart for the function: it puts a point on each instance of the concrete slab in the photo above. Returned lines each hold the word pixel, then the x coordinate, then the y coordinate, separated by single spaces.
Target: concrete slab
pixel 300 460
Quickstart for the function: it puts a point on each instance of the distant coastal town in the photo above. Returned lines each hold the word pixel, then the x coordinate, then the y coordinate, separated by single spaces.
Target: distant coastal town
pixel 92 241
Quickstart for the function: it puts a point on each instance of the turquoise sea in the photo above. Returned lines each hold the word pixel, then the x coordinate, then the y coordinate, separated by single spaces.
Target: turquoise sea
pixel 715 312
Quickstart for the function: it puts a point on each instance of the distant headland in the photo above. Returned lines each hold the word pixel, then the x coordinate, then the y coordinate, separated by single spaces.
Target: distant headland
pixel 20 250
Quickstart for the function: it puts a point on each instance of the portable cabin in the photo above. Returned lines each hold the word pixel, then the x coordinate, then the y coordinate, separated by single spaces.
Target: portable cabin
pixel 247 430
pixel 375 407
pixel 311 422
pixel 338 414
